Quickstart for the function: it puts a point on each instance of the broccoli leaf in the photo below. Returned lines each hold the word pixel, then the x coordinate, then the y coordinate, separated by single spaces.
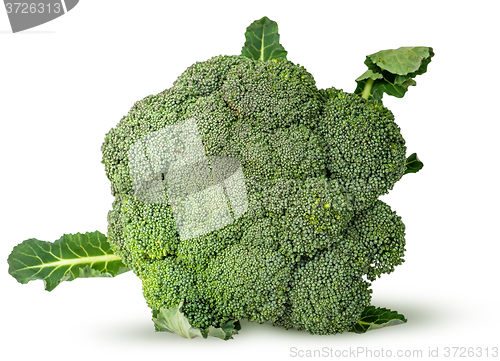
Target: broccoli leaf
pixel 225 332
pixel 413 164
pixel 173 320
pixel 377 317
pixel 392 71
pixel 262 41
pixel 72 256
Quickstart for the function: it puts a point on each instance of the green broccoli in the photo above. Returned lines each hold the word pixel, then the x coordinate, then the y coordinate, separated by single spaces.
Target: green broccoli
pixel 244 192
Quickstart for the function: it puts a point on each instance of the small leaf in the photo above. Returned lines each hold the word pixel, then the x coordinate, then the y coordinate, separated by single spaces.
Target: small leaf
pixel 225 332
pixel 413 164
pixel 262 41
pixel 377 317
pixel 173 320
pixel 392 71
pixel 370 75
pixel 72 256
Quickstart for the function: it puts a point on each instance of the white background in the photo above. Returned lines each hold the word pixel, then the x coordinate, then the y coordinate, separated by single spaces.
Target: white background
pixel 64 84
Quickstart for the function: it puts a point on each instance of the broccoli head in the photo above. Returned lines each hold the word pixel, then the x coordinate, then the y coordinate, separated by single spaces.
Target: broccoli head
pixel 245 192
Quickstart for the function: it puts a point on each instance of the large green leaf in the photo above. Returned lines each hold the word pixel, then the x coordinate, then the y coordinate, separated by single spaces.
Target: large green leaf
pixel 413 164
pixel 72 256
pixel 377 317
pixel 392 71
pixel 401 61
pixel 173 320
pixel 262 41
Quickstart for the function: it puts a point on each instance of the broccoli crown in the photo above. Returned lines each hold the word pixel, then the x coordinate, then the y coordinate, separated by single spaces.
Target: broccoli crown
pixel 313 164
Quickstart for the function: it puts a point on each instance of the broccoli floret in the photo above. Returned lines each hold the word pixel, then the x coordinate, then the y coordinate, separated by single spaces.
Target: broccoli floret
pixel 167 282
pixel 249 282
pixel 328 293
pixel 307 215
pixel 148 230
pixel 365 149
pixel 272 95
pixel 377 235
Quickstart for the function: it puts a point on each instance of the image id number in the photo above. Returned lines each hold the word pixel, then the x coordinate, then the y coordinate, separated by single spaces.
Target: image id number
pixel 32 8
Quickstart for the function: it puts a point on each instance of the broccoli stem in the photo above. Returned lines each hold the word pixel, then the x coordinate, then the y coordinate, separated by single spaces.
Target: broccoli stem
pixel 367 89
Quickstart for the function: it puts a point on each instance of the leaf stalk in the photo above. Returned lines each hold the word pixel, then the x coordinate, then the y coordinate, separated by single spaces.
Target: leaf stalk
pixel 367 89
